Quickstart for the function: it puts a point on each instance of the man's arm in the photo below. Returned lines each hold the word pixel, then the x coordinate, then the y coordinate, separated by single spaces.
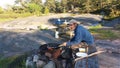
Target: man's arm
pixel 76 39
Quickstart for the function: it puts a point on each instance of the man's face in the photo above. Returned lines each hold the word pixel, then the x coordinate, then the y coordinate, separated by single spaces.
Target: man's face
pixel 71 26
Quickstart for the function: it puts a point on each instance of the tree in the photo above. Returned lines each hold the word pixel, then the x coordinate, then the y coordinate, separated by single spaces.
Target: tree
pixel 88 6
pixel 39 2
pixel 1 10
pixel 34 8
pixel 46 10
pixel 22 2
pixel 59 7
pixel 64 5
pixel 51 5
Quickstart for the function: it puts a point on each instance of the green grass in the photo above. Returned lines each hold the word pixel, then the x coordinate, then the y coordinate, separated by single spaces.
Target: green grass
pixel 11 16
pixel 104 34
pixel 6 61
pixel 6 19
pixel 13 62
pixel 109 18
pixel 96 27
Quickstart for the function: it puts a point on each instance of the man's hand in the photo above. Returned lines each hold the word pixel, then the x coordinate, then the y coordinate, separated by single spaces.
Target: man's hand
pixel 63 44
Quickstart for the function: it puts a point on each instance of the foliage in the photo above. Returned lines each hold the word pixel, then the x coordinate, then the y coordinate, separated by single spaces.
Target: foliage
pixel 51 5
pixel 6 61
pixel 46 10
pixel 38 2
pixel 1 10
pixel 111 8
pixel 18 9
pixel 34 8
pixel 13 62
pixel 64 5
pixel 58 8
pixel 19 62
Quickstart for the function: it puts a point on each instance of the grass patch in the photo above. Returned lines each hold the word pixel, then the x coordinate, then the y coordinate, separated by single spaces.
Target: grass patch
pixel 96 26
pixel 6 61
pixel 104 34
pixel 109 18
pixel 11 16
pixel 13 62
pixel 6 19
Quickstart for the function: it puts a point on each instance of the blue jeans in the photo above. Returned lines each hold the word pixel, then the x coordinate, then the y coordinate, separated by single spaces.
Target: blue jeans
pixel 91 62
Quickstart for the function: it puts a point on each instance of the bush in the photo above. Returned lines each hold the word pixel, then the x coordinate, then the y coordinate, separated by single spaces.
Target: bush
pixel 1 10
pixel 35 9
pixel 46 10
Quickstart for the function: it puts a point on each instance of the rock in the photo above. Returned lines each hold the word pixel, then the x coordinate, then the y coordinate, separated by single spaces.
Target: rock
pixel 109 46
pixel 34 22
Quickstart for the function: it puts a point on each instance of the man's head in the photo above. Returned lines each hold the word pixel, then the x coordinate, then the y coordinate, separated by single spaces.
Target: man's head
pixel 72 24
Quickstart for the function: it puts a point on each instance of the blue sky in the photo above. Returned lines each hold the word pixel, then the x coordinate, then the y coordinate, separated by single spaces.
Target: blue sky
pixel 4 3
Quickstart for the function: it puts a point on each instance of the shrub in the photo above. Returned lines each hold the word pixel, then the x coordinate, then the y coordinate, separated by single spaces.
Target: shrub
pixel 46 10
pixel 1 10
pixel 35 9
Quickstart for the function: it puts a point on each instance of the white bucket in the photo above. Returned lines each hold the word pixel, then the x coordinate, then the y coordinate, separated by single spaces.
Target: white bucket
pixel 80 54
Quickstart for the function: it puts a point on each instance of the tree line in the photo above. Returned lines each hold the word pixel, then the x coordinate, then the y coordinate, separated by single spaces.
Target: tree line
pixel 105 7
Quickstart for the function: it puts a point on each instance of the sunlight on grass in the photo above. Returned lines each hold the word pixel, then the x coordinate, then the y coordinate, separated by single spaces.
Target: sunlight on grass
pixel 104 34
pixel 6 19
pixel 96 27
pixel 11 16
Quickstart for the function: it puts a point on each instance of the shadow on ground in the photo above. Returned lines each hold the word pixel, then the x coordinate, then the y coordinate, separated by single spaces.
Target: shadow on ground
pixel 19 42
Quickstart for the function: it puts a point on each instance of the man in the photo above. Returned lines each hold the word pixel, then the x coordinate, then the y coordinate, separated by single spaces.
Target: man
pixel 81 37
